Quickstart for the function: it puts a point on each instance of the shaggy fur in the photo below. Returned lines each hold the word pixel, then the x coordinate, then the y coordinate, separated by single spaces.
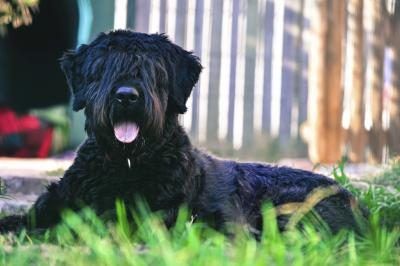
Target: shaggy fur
pixel 164 168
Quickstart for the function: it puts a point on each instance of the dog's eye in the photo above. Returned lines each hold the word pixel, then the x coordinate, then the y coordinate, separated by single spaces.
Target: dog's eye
pixel 133 97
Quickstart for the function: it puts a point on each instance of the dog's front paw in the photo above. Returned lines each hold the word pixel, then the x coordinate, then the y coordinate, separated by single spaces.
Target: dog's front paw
pixel 12 223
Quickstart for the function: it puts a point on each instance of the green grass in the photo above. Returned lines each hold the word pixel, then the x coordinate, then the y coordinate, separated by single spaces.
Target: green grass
pixel 391 177
pixel 383 195
pixel 85 240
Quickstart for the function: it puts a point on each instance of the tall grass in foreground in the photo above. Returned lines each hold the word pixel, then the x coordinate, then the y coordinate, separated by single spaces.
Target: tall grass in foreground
pixel 85 240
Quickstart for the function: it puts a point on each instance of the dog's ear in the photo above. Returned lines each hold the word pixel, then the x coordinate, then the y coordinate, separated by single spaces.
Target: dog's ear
pixel 187 69
pixel 71 65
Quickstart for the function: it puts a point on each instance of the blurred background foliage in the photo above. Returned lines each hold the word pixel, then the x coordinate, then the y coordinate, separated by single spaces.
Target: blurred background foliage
pixel 17 12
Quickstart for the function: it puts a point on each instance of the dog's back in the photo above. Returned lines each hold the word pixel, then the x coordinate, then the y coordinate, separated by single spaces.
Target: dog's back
pixel 237 191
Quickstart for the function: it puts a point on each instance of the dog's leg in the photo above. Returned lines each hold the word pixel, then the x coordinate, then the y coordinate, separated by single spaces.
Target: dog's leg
pixel 46 212
pixel 12 223
pixel 43 214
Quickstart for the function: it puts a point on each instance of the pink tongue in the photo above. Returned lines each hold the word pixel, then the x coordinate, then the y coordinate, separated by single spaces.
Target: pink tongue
pixel 126 132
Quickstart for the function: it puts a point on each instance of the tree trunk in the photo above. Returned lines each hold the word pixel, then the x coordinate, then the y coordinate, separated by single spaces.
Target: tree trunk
pixel 325 81
pixel 374 76
pixel 357 136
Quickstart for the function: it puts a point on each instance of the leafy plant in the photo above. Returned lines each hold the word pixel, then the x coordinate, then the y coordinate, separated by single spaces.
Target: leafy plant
pixel 17 12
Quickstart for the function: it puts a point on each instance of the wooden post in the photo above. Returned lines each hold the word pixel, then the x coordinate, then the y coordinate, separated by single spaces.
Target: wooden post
pixel 325 81
pixel 357 134
pixel 394 130
pixel 374 76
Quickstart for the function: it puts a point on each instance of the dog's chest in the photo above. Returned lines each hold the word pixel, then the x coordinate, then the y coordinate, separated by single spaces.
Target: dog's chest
pixel 160 187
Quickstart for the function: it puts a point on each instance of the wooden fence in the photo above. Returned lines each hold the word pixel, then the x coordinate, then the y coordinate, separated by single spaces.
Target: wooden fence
pixel 255 82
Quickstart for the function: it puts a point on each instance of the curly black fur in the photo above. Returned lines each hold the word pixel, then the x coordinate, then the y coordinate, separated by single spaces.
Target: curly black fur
pixel 166 170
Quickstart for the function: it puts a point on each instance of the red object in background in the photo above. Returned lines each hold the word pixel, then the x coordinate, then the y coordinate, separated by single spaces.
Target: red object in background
pixel 23 135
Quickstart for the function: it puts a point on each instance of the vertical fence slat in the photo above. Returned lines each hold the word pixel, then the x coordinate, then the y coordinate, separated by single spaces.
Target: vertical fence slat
pixel 142 15
pixel 374 76
pixel 120 14
pixel 197 49
pixel 163 16
pixel 250 58
pixel 205 76
pixel 303 66
pixel 393 136
pixel 132 13
pixel 300 75
pixel 357 136
pixel 276 82
pixel 240 76
pixel 225 74
pixel 189 45
pixel 325 90
pixel 154 16
pixel 103 16
pixel 232 83
pixel 259 68
pixel 290 34
pixel 394 111
pixel 268 33
pixel 180 22
pixel 215 67
pixel 180 29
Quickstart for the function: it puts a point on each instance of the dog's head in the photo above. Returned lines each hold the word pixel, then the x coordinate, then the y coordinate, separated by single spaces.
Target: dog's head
pixel 129 82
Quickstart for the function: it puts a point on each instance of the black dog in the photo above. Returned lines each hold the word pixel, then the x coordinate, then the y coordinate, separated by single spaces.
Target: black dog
pixel 133 86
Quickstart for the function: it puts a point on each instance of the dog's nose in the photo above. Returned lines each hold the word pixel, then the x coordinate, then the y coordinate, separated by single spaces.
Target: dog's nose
pixel 127 95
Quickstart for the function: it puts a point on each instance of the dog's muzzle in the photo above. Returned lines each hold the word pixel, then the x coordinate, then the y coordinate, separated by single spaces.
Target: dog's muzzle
pixel 126 131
